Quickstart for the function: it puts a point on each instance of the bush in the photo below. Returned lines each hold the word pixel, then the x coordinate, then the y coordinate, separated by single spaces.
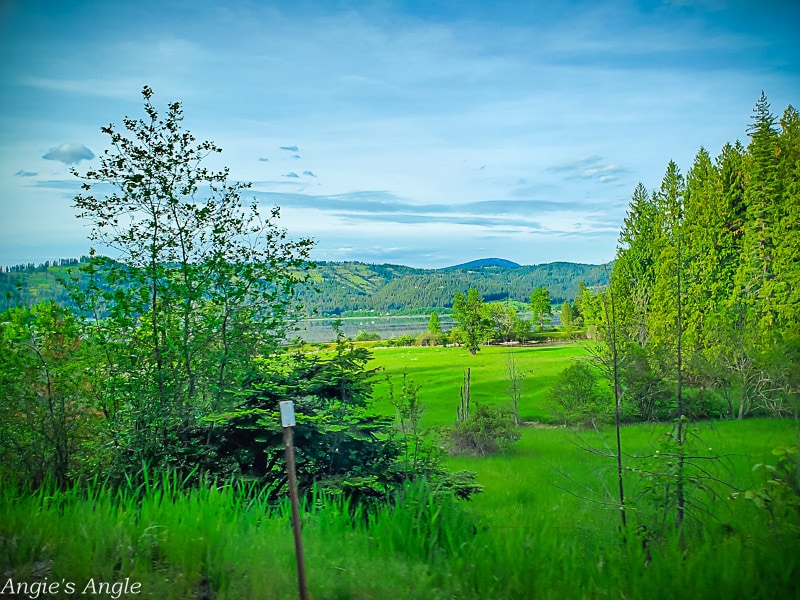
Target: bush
pixel 403 340
pixel 488 429
pixel 429 339
pixel 648 397
pixel 365 336
pixel 576 395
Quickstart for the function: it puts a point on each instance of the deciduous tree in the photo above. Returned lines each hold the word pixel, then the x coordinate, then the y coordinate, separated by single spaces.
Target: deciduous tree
pixel 540 305
pixel 473 322
pixel 202 283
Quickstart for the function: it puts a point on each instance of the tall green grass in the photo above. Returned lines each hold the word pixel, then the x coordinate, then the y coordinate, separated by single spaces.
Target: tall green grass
pixel 532 541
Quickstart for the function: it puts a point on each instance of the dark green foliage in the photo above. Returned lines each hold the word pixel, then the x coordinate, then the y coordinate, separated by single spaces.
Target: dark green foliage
pixel 647 395
pixel 339 445
pixel 351 288
pixel 347 287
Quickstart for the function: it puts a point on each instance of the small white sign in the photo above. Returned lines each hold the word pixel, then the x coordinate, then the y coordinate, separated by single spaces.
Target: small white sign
pixel 287 413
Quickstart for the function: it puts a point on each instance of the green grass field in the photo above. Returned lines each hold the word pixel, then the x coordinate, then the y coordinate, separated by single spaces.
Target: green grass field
pixel 440 372
pixel 539 530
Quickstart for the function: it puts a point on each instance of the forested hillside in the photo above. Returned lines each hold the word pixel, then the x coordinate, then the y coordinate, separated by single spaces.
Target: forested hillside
pixel 342 287
pixel 383 288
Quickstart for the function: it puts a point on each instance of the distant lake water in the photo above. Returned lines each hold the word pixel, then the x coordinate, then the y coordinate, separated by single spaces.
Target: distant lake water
pixel 321 330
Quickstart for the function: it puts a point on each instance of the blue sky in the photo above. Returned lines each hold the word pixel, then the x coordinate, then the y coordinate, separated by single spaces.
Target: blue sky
pixel 420 133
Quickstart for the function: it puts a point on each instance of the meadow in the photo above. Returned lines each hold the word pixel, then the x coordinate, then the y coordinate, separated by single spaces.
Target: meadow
pixel 439 372
pixel 544 527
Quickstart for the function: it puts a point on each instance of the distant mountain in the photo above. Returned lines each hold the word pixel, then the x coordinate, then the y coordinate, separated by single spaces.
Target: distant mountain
pixel 485 262
pixel 350 287
pixel 341 288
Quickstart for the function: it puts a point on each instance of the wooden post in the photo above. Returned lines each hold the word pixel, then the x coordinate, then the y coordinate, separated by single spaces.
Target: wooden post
pixel 288 422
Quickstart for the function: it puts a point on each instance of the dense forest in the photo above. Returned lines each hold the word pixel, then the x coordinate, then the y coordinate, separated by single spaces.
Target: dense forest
pixel 705 292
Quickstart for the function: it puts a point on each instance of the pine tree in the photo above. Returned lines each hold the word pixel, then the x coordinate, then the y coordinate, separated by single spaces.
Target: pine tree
pixel 787 238
pixel 633 276
pixel 756 277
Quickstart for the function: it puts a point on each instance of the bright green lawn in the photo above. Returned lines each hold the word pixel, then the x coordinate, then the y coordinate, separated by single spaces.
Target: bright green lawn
pixel 440 373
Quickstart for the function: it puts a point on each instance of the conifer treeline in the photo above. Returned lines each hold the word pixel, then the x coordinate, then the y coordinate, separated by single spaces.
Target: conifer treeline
pixel 714 257
pixel 41 267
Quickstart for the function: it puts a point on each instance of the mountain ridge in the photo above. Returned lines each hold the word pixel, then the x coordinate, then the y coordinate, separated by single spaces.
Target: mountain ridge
pixel 342 288
pixel 485 262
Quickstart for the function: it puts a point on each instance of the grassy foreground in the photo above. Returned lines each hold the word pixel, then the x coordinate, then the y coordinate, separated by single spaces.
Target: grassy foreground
pixel 540 530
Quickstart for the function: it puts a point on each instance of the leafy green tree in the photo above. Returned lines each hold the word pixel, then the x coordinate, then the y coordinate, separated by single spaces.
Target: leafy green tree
pixel 522 330
pixel 540 305
pixel 202 285
pixel 46 414
pixel 472 320
pixel 433 334
pixel 503 319
pixel 434 326
pixel 577 303
pixel 567 319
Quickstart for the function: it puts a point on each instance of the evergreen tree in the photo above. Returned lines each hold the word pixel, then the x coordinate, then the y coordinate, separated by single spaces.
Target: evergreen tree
pixel 787 238
pixel 633 277
pixel 756 277
pixel 567 319
pixel 666 299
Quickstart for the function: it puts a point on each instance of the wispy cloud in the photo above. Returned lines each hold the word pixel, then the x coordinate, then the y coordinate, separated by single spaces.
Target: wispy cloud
pixel 71 185
pixel 590 167
pixel 384 207
pixel 22 173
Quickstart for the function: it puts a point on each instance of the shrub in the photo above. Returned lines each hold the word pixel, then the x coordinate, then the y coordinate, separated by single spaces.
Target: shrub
pixel 575 397
pixel 366 336
pixel 429 339
pixel 403 340
pixel 488 429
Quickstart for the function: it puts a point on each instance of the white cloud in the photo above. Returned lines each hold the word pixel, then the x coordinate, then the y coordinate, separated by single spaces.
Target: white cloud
pixel 69 154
